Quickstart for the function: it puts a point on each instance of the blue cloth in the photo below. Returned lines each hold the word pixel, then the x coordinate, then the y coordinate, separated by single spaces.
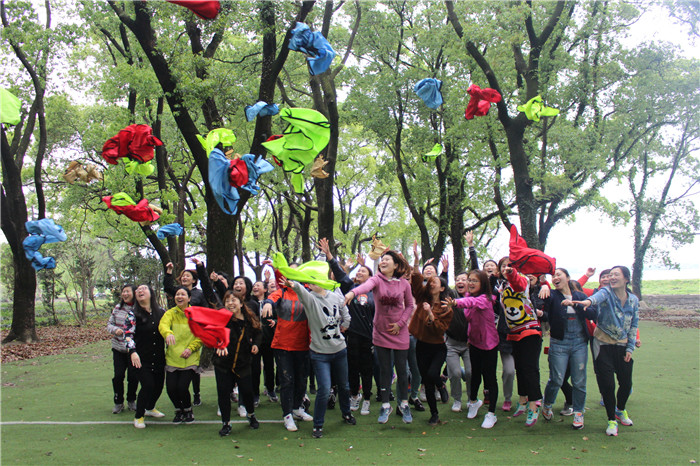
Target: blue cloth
pixel 325 365
pixel 255 169
pixel 570 352
pixel 260 109
pixel 172 229
pixel 319 52
pixel 226 195
pixel 41 232
pixel 616 320
pixel 428 89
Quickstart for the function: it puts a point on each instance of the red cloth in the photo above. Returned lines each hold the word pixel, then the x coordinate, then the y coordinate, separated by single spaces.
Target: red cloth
pixel 134 141
pixel 528 260
pixel 209 325
pixel 480 103
pixel 138 213
pixel 239 173
pixel 206 9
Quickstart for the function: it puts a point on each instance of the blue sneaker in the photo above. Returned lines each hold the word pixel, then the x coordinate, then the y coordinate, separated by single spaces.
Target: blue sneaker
pixel 384 414
pixel 406 414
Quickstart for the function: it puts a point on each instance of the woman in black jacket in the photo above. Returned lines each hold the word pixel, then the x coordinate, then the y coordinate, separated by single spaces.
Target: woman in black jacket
pixel 568 345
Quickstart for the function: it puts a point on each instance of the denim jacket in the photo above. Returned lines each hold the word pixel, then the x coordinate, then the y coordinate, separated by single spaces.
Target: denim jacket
pixel 616 320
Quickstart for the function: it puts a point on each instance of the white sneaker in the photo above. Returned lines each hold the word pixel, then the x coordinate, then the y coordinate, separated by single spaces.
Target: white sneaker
pixel 456 406
pixel 289 423
pixel 242 412
pixel 154 413
pixel 140 424
pixel 489 420
pixel 365 408
pixel 218 412
pixel 301 415
pixel 421 394
pixel 355 402
pixel 473 408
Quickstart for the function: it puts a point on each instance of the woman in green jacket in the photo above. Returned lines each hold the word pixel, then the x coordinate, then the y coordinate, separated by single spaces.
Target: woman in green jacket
pixel 181 356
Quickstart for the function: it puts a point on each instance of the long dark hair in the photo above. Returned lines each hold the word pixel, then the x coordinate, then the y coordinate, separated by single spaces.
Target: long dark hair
pixel 141 314
pixel 625 273
pixel 248 314
pixel 133 293
pixel 195 278
pixel 484 282
pixel 248 286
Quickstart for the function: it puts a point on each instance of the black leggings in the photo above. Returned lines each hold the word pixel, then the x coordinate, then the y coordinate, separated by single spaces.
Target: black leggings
pixel 225 379
pixel 122 367
pixel 611 361
pixel 177 384
pixel 384 356
pixel 151 380
pixel 360 364
pixel 430 358
pixel 526 354
pixel 484 364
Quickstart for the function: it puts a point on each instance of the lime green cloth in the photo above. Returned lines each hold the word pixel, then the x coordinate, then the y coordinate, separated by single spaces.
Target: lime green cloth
pixel 434 153
pixel 9 107
pixel 216 136
pixel 308 134
pixel 122 199
pixel 143 169
pixel 315 272
pixel 535 108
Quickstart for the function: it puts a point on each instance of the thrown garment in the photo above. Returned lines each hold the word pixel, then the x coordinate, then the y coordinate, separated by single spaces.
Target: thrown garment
pixel 480 101
pixel 428 89
pixel 43 231
pixel 528 260
pixel 319 53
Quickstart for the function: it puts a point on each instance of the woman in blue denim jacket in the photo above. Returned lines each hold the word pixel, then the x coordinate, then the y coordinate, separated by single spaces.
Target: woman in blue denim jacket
pixel 613 343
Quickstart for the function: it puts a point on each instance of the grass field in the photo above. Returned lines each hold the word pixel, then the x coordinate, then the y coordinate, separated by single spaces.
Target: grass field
pixel 76 387
pixel 665 287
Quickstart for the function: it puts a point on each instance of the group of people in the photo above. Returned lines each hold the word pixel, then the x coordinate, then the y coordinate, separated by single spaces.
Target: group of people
pixel 396 322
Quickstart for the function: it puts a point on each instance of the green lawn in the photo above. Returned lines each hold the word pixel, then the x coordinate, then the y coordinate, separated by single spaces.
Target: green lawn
pixel 76 386
pixel 664 287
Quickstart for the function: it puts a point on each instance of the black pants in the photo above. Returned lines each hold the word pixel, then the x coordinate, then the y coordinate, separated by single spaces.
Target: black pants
pixel 196 380
pixel 399 358
pixel 430 358
pixel 177 384
pixel 360 364
pixel 293 367
pixel 611 362
pixel 122 367
pixel 484 363
pixel 256 370
pixel 225 381
pixel 151 380
pixel 268 360
pixel 526 355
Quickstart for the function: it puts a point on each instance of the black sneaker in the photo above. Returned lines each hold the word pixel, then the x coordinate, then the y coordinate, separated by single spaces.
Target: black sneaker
pixel 178 417
pixel 349 419
pixel 189 416
pixel 225 430
pixel 256 401
pixel 434 420
pixel 318 432
pixel 197 400
pixel 254 424
pixel 331 401
pixel 391 396
pixel 444 396
pixel 306 403
pixel 398 411
pixel 273 397
pixel 417 405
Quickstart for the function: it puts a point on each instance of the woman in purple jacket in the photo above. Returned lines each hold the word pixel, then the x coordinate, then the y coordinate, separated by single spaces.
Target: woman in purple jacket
pixel 394 304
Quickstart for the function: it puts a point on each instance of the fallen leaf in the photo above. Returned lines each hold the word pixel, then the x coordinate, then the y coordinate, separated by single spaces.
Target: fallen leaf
pixel 421 449
pixel 480 451
pixel 534 452
pixel 585 438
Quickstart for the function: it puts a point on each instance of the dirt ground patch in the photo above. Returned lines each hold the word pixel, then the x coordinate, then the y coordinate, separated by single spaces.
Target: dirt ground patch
pixel 680 311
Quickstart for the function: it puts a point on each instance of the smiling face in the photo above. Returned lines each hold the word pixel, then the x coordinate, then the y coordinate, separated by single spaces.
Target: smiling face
pixel 505 268
pixel 387 266
pixel 473 284
pixel 272 286
pixel 617 279
pixel 232 303
pixel 143 294
pixel 186 279
pixel 490 267
pixel 182 299
pixel 127 294
pixel 362 275
pixel 429 271
pixel 461 283
pixel 560 280
pixel 240 287
pixel 258 288
pixel 605 280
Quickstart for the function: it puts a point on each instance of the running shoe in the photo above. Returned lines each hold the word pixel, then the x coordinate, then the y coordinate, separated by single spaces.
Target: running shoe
pixel 417 405
pixel 456 406
pixel 196 400
pixel 547 413
pixel 131 405
pixel 489 420
pixel 532 417
pixel 301 415
pixel 289 423
pixel 154 413
pixel 225 430
pixel 253 421
pixel 567 410
pixel 521 409
pixel 140 424
pixel 349 419
pixel 118 408
pixel 318 432
pixel 178 417
pixel 242 411
pixel 188 417
pixel 578 420
pixel 622 417
pixel 406 414
pixel 507 405
pixel 384 415
pixel 473 408
pixel 612 429
pixel 365 408
pixel 355 402
pixel 434 420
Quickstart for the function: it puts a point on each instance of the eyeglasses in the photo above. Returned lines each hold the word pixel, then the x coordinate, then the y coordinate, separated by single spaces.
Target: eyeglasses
pixel 472 281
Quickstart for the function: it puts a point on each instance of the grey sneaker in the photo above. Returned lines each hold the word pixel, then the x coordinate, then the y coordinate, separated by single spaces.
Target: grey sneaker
pixel 567 410
pixel 384 414
pixel 406 414
pixel 118 408
pixel 131 405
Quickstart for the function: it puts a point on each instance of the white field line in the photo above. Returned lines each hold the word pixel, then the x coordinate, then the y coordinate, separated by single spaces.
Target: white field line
pixel 148 422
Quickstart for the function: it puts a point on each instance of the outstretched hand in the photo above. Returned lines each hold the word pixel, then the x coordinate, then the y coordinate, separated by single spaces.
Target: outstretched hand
pixel 590 272
pixel 469 237
pixel 325 248
pixel 445 261
pixel 448 302
pixel 169 267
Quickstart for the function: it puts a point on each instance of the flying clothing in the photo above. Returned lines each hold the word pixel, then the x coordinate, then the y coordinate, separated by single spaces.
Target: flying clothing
pixel 260 109
pixel 209 325
pixel 9 107
pixel 535 108
pixel 319 53
pixel 76 171
pixel 428 89
pixel 43 231
pixel 171 229
pixel 527 260
pixel 123 204
pixel 434 153
pixel 136 142
pixel 205 9
pixel 225 176
pixel 214 137
pixel 308 134
pixel 481 100
pixel 315 272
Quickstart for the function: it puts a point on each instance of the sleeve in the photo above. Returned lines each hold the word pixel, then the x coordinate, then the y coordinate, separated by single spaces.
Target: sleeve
pixel 473 259
pixel 632 332
pixel 112 326
pixel 442 319
pixel 517 281
pixel 465 302
pixel 546 309
pixel 220 289
pixel 408 302
pixel 256 337
pixel 583 280
pixel 165 325
pixel 366 287
pixel 341 277
pixel 194 344
pixel 345 315
pixel 207 289
pixel 591 313
pixel 129 331
pixel 169 284
pixel 416 283
pixel 444 275
pixel 598 297
pixel 304 296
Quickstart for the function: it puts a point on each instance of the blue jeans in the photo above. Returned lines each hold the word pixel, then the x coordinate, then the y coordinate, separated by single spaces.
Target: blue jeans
pixel 572 351
pixel 416 377
pixel 330 366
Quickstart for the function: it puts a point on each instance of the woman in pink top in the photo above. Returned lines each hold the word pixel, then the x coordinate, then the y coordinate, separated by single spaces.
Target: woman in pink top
pixel 394 304
pixel 483 342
